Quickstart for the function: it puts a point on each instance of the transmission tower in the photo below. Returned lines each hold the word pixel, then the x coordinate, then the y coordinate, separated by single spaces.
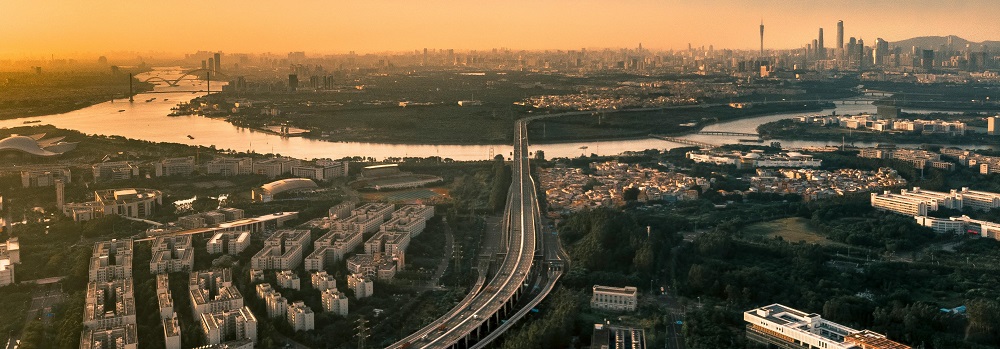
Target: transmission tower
pixel 362 333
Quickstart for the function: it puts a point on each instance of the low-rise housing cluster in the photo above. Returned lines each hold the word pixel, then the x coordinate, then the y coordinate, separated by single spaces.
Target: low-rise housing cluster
pixel 919 158
pixel 888 124
pixel 754 158
pixel 572 189
pixel 984 163
pixel 814 184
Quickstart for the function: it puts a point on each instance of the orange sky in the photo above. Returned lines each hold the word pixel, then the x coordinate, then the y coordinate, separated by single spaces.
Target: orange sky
pixel 38 28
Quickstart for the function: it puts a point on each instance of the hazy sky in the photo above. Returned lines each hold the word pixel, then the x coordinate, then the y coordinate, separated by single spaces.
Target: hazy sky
pixel 38 28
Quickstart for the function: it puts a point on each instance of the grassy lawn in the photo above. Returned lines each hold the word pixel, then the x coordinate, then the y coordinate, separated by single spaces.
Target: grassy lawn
pixel 792 229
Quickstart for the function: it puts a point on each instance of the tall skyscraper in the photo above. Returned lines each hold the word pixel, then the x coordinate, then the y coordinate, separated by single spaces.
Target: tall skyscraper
pixel 820 49
pixel 211 63
pixel 840 35
pixel 762 38
pixel 880 52
pixel 861 53
pixel 927 60
pixel 218 62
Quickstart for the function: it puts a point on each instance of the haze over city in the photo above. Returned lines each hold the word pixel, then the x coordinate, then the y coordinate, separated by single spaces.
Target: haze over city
pixel 32 29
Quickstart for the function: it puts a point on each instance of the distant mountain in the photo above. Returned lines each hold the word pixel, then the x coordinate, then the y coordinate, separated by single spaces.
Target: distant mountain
pixel 933 42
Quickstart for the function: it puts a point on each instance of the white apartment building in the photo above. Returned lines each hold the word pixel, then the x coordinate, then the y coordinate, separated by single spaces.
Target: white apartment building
pixel 172 332
pixel 229 326
pixel 902 204
pixel 45 177
pixel 11 249
pixel 322 281
pixel 961 225
pixel 119 337
pixel 277 305
pixel 109 304
pixel 362 286
pixel 288 279
pixel 172 254
pixel 111 260
pixel 322 172
pixel 174 167
pixel 229 166
pixel 282 250
pixel 213 291
pixel 334 301
pixel 114 170
pixel 300 317
pixel 333 246
pixel 232 243
pixel 275 167
pixel 614 298
pixel 6 272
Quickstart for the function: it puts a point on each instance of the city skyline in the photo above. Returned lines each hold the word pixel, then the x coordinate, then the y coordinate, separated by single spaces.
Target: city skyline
pixel 38 29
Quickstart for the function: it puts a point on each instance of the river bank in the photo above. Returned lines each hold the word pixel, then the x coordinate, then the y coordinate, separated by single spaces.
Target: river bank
pixel 24 95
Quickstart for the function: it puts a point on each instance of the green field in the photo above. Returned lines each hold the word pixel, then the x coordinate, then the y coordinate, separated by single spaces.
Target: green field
pixel 794 229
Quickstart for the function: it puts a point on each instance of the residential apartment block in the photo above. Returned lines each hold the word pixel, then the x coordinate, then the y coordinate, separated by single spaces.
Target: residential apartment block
pixel 114 170
pixel 111 260
pixel 175 167
pixel 362 286
pixel 232 243
pixel 109 304
pixel 229 166
pixel 322 281
pixel 334 301
pixel 300 317
pixel 288 279
pixel 121 337
pixel 213 291
pixel 282 250
pixel 172 254
pixel 45 177
pixel 277 305
pixel 235 325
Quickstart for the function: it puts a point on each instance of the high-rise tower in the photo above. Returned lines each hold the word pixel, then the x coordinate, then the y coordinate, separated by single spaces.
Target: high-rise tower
pixel 218 62
pixel 762 38
pixel 840 35
pixel 820 49
pixel 60 194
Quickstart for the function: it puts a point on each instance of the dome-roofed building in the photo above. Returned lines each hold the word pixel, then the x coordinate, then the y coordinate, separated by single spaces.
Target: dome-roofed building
pixel 267 191
pixel 35 145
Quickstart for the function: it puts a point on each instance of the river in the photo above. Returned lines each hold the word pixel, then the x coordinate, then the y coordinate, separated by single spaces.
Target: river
pixel 149 121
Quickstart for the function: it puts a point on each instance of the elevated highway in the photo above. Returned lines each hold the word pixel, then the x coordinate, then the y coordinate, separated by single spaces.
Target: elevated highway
pixel 492 307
